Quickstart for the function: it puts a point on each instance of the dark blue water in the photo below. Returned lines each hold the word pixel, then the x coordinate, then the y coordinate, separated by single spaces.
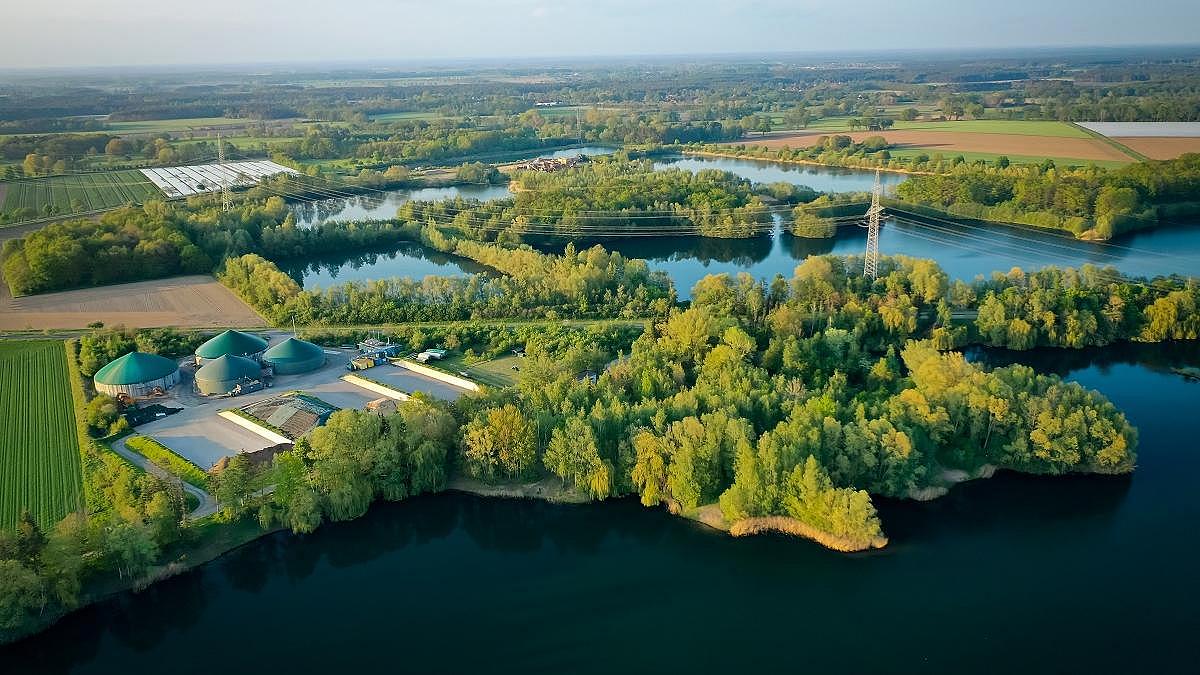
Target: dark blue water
pixel 1012 574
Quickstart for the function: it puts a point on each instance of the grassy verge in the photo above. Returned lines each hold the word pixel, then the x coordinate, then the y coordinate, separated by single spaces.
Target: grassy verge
pixel 1047 128
pixel 168 460
pixel 1113 143
pixel 909 152
pixel 496 372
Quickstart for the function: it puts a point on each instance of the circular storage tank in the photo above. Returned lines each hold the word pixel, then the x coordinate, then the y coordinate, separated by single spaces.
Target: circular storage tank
pixel 222 374
pixel 231 343
pixel 294 356
pixel 137 374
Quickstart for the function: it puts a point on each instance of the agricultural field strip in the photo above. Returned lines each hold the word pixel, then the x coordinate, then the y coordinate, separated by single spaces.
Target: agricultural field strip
pixel 1045 128
pixel 181 181
pixel 1086 148
pixel 1160 147
pixel 39 450
pixel 1144 129
pixel 183 124
pixel 89 191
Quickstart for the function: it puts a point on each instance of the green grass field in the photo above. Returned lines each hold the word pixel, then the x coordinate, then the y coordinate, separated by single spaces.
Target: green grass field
pixel 56 195
pixel 39 447
pixel 411 115
pixel 168 460
pixel 156 126
pixel 1017 127
pixel 497 372
pixel 1015 159
pixel 239 142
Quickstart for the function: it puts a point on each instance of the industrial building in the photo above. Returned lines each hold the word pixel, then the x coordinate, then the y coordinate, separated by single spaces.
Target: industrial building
pixel 231 343
pixel 137 374
pixel 294 356
pixel 223 374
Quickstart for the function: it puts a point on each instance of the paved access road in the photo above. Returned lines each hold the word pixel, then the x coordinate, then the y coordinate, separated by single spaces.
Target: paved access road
pixel 208 503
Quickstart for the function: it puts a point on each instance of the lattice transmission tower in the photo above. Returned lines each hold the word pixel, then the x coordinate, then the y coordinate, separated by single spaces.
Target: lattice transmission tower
pixel 226 199
pixel 874 215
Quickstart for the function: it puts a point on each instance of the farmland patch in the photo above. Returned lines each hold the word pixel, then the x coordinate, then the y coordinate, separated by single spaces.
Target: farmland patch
pixel 191 301
pixel 950 143
pixel 39 447
pixel 31 198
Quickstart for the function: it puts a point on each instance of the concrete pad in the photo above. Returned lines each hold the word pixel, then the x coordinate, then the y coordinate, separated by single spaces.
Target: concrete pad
pixel 202 437
pixel 407 380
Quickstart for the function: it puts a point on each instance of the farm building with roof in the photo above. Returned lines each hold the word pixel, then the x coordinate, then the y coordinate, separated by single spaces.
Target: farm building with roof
pixel 231 343
pixel 136 374
pixel 222 374
pixel 294 356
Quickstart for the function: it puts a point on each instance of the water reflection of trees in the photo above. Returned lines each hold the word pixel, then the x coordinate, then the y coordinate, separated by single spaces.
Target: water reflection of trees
pixel 1017 505
pixel 742 252
pixel 1159 357
pixel 333 264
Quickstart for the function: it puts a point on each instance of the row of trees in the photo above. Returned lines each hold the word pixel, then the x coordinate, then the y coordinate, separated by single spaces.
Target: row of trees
pixel 591 283
pixel 1091 203
pixel 1085 308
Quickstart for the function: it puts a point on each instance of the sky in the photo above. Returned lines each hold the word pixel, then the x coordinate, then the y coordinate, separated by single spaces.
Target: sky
pixel 170 32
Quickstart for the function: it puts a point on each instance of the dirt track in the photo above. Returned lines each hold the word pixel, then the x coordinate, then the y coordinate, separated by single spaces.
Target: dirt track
pixel 1160 147
pixel 948 142
pixel 192 301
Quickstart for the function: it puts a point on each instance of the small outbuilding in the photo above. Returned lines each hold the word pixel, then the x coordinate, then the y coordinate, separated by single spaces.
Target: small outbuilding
pixel 137 374
pixel 293 356
pixel 231 343
pixel 221 375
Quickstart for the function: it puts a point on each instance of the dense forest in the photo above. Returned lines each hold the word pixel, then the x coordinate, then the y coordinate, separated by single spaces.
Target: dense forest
pixel 750 403
pixel 614 195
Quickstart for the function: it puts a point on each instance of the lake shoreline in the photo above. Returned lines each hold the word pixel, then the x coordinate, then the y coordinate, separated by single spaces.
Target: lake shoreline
pixel 807 162
pixel 225 538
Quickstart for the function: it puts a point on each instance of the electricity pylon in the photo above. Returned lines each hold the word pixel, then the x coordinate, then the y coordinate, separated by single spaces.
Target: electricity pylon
pixel 226 200
pixel 874 214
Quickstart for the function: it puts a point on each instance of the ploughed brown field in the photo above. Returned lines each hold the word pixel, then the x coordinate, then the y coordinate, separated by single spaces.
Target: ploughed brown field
pixel 949 142
pixel 191 301
pixel 1160 147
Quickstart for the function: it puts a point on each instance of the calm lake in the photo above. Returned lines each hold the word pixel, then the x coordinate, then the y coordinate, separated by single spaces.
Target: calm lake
pixel 383 204
pixel 405 260
pixel 963 251
pixel 1011 574
pixel 819 178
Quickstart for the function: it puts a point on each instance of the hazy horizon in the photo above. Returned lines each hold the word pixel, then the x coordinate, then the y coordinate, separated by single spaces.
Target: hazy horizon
pixel 132 33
